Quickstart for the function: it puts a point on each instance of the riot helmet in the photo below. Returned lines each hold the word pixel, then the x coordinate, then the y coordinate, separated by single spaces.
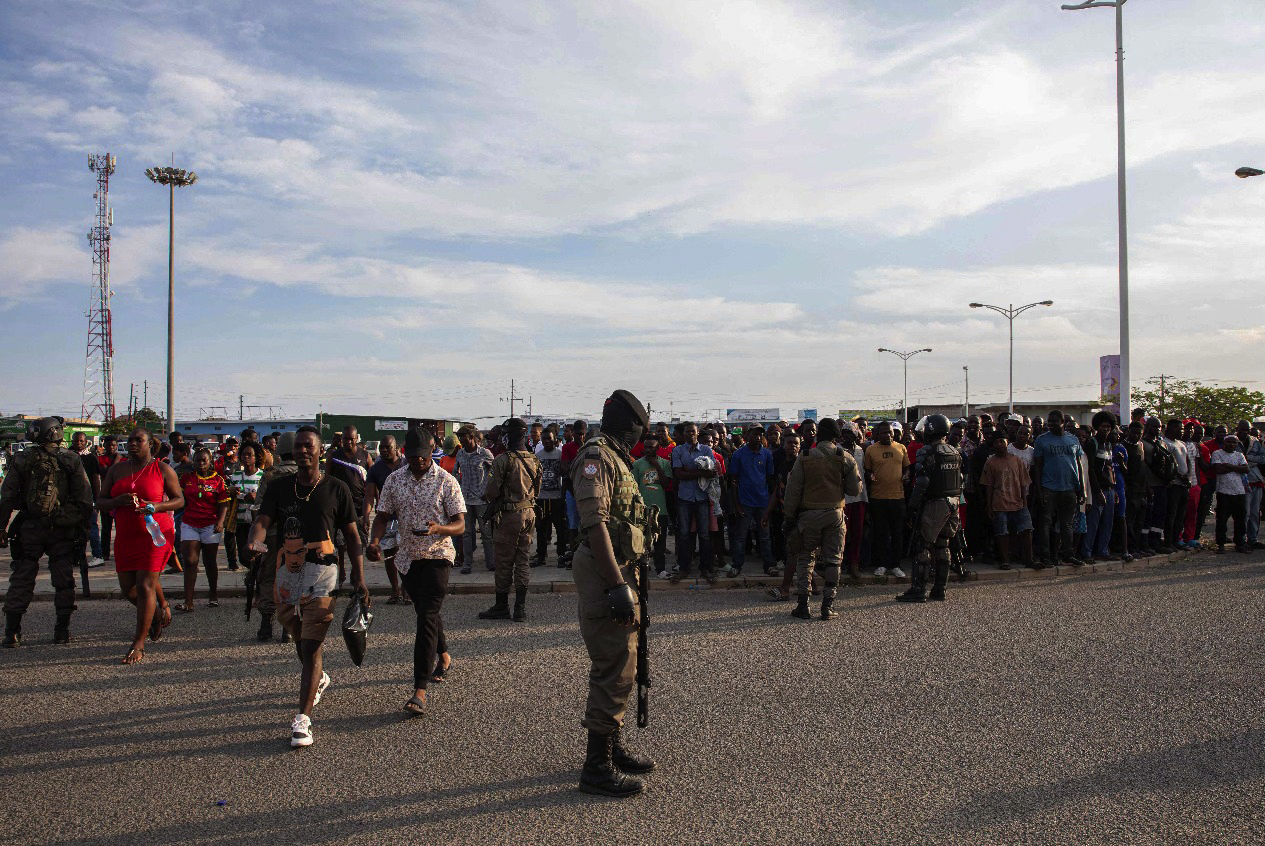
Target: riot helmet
pixel 46 430
pixel 933 425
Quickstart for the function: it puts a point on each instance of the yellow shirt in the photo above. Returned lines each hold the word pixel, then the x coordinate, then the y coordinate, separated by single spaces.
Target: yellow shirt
pixel 887 463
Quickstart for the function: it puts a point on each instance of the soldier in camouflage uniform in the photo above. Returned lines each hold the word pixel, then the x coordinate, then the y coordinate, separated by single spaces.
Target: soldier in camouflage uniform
pixel 612 539
pixel 511 494
pixel 47 485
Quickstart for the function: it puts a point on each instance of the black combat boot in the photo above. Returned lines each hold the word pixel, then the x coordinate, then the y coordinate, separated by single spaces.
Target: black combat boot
pixel 61 631
pixel 285 635
pixel 265 627
pixel 12 631
pixel 500 610
pixel 625 759
pixel 828 600
pixel 916 592
pixel 520 605
pixel 942 579
pixel 801 610
pixel 599 775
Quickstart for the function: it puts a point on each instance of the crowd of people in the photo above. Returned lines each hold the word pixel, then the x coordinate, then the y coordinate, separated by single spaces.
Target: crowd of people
pixel 1021 493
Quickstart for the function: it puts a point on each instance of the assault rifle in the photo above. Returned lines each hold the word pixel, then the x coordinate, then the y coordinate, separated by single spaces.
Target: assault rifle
pixel 643 598
pixel 252 578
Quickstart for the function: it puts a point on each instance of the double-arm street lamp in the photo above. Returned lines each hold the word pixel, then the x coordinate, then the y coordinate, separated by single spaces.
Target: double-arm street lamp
pixel 1118 5
pixel 1010 313
pixel 1245 172
pixel 905 357
pixel 173 178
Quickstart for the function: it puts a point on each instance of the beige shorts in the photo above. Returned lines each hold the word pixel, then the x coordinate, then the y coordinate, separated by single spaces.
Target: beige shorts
pixel 309 620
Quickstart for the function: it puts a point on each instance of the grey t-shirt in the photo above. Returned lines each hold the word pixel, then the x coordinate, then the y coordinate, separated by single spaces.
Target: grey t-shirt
pixel 550 473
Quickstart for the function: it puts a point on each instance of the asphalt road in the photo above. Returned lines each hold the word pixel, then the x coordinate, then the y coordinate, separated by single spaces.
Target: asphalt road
pixel 1111 708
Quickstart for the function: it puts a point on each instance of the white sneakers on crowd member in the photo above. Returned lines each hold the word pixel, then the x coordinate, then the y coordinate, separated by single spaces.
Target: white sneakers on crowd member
pixel 95 562
pixel 897 573
pixel 880 571
pixel 321 687
pixel 667 574
pixel 301 731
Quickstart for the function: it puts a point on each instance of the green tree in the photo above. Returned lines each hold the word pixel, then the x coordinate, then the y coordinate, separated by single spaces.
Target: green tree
pixel 146 417
pixel 1187 398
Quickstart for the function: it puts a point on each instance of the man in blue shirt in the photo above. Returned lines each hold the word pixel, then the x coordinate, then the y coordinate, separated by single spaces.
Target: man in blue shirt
pixel 1056 465
pixel 751 474
pixel 693 506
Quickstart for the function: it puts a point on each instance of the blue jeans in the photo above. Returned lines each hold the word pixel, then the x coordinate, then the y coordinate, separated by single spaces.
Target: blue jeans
pixel 94 537
pixel 1098 522
pixel 687 513
pixel 748 514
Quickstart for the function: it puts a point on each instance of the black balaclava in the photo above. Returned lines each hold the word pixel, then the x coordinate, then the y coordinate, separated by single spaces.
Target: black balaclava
pixel 515 434
pixel 624 418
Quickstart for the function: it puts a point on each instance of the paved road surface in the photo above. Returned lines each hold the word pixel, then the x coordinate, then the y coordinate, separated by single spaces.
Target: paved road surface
pixel 1113 708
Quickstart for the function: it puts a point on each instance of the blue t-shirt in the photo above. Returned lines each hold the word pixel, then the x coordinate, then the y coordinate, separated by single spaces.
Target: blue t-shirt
pixel 753 470
pixel 683 456
pixel 1060 460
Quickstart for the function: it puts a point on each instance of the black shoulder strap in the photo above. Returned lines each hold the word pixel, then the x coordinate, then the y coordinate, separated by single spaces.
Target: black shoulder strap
pixel 535 477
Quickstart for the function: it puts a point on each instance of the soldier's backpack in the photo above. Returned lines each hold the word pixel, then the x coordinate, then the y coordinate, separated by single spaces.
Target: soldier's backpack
pixel 47 485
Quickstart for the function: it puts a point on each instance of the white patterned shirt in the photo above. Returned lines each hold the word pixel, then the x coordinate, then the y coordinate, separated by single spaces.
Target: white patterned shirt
pixel 413 502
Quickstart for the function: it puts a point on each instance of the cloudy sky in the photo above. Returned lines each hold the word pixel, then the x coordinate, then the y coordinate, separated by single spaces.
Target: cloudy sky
pixel 714 203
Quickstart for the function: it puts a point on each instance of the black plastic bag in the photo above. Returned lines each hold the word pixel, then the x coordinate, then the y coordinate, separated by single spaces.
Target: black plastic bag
pixel 356 622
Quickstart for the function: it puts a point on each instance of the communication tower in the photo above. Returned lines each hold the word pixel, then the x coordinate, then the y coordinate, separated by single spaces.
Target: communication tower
pixel 98 370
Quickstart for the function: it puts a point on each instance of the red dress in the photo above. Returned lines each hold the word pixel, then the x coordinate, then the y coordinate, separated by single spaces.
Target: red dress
pixel 134 550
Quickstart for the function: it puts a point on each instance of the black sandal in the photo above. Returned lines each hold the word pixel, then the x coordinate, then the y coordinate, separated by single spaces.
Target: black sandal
pixel 440 671
pixel 415 707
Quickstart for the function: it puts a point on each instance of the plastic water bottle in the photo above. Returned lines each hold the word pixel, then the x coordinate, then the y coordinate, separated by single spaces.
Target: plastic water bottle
pixel 155 532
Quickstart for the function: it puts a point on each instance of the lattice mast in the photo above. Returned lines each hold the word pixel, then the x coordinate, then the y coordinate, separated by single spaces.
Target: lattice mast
pixel 98 371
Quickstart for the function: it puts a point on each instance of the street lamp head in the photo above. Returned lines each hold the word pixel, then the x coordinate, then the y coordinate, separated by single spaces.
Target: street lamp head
pixel 883 349
pixel 1047 302
pixel 1245 172
pixel 977 305
pixel 925 349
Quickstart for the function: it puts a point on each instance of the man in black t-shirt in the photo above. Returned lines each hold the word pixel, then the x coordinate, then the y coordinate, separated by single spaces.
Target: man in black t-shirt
pixel 389 460
pixel 308 508
pixel 91 466
pixel 349 463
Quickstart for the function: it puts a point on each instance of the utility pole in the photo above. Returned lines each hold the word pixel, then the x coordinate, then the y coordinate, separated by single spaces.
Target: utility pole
pixel 146 402
pixel 1160 410
pixel 513 398
pixel 966 403
pixel 241 406
pixel 529 405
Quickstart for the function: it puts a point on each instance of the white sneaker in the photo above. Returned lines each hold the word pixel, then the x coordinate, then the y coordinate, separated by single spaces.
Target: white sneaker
pixel 301 731
pixel 665 574
pixel 321 687
pixel 95 562
pixel 880 571
pixel 898 573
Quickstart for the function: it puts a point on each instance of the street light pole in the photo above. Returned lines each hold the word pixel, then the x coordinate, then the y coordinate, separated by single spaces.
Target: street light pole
pixel 1123 221
pixel 1010 313
pixel 905 357
pixel 173 178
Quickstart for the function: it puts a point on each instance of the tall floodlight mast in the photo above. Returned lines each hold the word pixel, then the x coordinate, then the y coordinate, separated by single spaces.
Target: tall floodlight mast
pixel 98 370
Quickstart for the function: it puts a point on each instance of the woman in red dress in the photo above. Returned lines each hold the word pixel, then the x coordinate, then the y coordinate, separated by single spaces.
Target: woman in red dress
pixel 130 489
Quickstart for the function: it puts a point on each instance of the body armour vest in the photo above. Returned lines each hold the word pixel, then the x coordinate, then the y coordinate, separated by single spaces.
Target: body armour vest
pixel 823 478
pixel 628 510
pixel 944 471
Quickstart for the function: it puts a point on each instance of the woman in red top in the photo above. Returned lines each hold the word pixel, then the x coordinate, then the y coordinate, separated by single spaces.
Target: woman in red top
pixel 206 500
pixel 129 490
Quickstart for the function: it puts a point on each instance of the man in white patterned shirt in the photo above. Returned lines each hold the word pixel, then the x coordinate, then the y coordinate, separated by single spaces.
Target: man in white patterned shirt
pixel 429 509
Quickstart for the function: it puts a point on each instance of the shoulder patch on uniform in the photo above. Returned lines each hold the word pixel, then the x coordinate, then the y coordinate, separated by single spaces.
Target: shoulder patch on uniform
pixel 591 467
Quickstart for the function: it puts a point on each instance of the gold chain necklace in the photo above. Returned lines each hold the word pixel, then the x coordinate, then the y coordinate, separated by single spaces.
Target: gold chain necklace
pixel 319 479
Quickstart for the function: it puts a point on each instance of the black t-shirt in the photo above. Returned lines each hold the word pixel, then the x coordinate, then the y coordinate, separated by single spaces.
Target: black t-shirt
pixel 350 471
pixel 380 470
pixel 327 509
pixel 91 466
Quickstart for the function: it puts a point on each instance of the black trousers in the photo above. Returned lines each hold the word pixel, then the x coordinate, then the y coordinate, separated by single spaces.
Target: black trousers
pixel 1232 505
pixel 107 524
pixel 551 518
pixel 1205 504
pixel 36 539
pixel 1135 508
pixel 1175 514
pixel 427 584
pixel 887 518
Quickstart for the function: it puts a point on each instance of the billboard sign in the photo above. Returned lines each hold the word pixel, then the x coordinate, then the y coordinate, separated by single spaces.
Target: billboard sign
pixel 807 414
pixel 736 416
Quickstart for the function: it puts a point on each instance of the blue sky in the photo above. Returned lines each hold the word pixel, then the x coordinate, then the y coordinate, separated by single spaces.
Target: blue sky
pixel 402 205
